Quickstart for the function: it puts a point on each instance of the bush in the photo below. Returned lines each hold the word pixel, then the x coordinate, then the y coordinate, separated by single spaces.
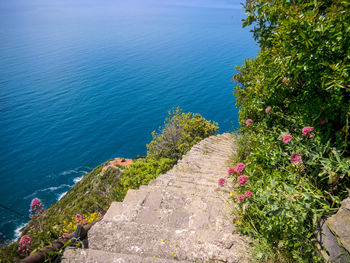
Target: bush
pixel 180 132
pixel 141 172
pixel 303 66
pixel 297 174
pixel 295 180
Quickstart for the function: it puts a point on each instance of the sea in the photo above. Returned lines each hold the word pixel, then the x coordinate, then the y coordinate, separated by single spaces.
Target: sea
pixel 83 81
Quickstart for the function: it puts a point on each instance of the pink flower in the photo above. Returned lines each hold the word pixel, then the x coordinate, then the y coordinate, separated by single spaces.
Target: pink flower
pixel 221 182
pixel 284 80
pixel 322 122
pixel 231 171
pixel 287 138
pixel 311 135
pixel 243 180
pixel 306 130
pixel 235 218
pixel 249 122
pixel 240 167
pixel 267 110
pixel 248 193
pixel 240 198
pixel 36 208
pixel 296 159
pixel 79 218
pixel 24 245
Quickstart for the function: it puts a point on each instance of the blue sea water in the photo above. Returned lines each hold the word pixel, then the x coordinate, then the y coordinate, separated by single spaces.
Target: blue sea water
pixel 87 80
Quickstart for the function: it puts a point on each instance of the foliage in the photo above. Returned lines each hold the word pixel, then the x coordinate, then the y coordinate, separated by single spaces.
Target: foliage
pixel 300 78
pixel 180 132
pixel 70 225
pixel 140 173
pixel 303 66
pixel 288 200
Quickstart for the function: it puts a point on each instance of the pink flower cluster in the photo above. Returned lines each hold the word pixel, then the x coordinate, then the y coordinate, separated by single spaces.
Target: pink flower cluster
pixel 307 130
pixel 249 122
pixel 221 182
pixel 238 170
pixel 247 194
pixel 243 180
pixel 80 220
pixel 287 138
pixel 36 208
pixel 296 159
pixel 267 110
pixel 24 245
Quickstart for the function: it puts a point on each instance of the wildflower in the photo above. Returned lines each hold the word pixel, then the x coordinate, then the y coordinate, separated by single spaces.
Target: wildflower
pixel 221 182
pixel 240 198
pixel 311 135
pixel 296 159
pixel 267 110
pixel 235 218
pixel 24 245
pixel 163 240
pixel 249 122
pixel 79 219
pixel 231 193
pixel 36 208
pixel 284 80
pixel 306 130
pixel 240 168
pixel 231 171
pixel 322 122
pixel 175 245
pixel 287 138
pixel 248 193
pixel 243 180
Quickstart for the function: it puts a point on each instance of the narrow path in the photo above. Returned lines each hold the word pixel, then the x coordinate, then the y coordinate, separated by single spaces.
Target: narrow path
pixel 182 216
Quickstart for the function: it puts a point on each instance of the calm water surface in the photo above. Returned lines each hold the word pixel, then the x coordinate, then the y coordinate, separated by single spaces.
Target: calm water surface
pixel 85 81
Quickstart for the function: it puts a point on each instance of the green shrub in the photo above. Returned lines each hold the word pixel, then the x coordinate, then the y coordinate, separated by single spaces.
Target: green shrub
pixel 303 66
pixel 141 172
pixel 288 199
pixel 299 78
pixel 180 132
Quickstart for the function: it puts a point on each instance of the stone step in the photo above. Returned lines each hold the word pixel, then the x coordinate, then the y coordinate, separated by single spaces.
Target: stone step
pixel 211 180
pixel 148 240
pixel 191 189
pixel 78 255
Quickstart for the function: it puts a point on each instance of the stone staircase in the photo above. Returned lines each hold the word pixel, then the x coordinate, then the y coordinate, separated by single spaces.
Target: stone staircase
pixel 182 216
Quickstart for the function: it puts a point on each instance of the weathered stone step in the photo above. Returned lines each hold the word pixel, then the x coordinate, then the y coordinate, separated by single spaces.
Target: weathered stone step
pixel 155 196
pixel 146 240
pixel 161 207
pixel 211 180
pixel 78 255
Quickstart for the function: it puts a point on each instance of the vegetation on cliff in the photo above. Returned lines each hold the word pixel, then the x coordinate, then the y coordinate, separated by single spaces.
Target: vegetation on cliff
pixel 294 101
pixel 89 199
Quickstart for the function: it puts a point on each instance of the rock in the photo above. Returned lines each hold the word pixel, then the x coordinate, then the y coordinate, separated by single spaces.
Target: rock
pixel 334 234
